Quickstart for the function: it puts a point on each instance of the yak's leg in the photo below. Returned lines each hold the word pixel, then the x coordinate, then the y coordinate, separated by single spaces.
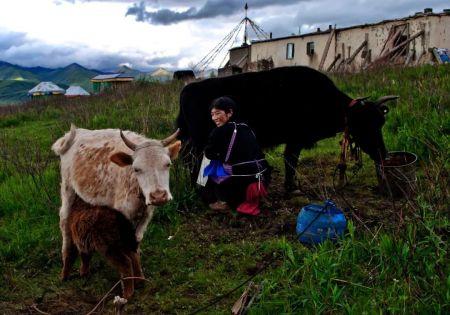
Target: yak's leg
pixel 197 156
pixel 67 199
pixel 291 154
pixel 69 256
pixel 85 262
pixel 191 158
pixel 137 269
pixel 136 261
pixel 123 264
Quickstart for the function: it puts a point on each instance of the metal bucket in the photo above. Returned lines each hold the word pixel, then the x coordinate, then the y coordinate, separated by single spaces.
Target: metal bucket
pixel 397 174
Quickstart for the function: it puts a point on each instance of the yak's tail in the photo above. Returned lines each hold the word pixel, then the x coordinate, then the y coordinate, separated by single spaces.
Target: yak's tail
pixel 64 143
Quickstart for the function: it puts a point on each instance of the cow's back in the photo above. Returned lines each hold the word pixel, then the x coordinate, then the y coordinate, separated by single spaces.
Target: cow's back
pixel 281 105
pixel 87 168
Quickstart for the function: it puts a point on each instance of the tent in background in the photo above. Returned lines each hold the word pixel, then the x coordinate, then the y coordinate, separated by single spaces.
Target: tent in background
pixel 75 90
pixel 45 88
pixel 161 75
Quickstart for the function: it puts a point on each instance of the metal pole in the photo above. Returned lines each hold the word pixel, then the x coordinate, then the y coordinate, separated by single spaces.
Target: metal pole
pixel 246 20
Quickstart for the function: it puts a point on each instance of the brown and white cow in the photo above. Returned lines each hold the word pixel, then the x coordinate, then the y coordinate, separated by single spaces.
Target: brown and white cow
pixel 121 170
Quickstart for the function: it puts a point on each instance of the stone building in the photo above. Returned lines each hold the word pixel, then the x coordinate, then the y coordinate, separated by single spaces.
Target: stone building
pixel 409 41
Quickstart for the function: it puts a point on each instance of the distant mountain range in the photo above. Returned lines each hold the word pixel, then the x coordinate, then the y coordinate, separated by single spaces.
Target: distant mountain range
pixel 16 81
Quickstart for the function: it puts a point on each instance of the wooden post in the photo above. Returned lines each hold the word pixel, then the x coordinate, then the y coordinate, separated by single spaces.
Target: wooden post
pixel 382 58
pixel 334 62
pixel 350 59
pixel 327 47
pixel 396 48
pixel 342 59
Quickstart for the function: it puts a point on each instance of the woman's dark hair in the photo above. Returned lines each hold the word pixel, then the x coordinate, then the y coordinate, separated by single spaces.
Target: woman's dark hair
pixel 224 103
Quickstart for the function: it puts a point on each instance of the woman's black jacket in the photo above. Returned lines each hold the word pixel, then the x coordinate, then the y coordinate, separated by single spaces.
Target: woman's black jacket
pixel 245 148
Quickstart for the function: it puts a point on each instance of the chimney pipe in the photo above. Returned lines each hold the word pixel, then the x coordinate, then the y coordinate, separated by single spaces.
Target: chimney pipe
pixel 270 35
pixel 330 27
pixel 318 29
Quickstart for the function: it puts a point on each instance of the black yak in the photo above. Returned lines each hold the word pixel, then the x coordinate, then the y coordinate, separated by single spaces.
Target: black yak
pixel 296 106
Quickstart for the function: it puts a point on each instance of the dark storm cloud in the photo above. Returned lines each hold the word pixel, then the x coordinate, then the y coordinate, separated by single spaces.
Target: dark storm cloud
pixel 210 9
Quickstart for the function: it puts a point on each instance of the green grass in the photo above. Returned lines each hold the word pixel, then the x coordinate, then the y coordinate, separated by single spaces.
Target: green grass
pixel 396 262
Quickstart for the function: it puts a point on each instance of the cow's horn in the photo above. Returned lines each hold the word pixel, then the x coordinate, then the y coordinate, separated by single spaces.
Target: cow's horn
pixel 128 142
pixel 170 138
pixel 386 98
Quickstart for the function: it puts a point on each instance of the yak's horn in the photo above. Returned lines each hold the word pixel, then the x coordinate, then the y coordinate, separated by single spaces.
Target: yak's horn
pixel 170 138
pixel 128 142
pixel 362 98
pixel 386 98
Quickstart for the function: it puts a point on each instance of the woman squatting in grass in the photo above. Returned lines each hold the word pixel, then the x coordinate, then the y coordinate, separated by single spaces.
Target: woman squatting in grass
pixel 238 173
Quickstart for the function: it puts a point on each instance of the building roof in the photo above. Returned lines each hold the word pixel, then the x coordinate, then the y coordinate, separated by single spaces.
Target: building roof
pixel 417 15
pixel 76 90
pixel 46 88
pixel 113 76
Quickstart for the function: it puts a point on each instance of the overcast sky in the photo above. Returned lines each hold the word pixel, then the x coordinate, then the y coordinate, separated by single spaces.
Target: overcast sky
pixel 170 33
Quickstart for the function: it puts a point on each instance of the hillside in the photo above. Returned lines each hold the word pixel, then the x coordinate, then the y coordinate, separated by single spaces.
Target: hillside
pixel 12 91
pixel 12 72
pixel 73 74
pixel 15 81
pixel 393 259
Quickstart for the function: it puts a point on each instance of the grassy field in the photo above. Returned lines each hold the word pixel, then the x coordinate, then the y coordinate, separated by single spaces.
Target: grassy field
pixel 394 257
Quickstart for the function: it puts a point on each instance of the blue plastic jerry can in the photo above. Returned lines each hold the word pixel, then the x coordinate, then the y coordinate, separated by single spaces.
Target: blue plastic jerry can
pixel 317 223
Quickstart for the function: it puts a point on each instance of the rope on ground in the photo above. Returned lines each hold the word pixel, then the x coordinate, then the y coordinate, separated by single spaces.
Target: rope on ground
pixel 112 289
pixel 220 298
pixel 319 194
pixel 33 306
pixel 351 208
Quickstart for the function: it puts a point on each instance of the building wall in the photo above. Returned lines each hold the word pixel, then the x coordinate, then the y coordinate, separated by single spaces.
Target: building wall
pixel 237 54
pixel 277 50
pixel 346 41
pixel 440 32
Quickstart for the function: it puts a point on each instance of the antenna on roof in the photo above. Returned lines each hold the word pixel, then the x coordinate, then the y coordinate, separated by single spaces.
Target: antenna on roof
pixel 203 64
pixel 245 21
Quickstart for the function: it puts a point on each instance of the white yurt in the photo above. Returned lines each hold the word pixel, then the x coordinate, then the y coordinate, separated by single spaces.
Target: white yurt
pixel 161 75
pixel 46 88
pixel 75 90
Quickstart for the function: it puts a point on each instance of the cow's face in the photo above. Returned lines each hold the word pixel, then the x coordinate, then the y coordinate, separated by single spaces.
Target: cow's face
pixel 150 163
pixel 365 121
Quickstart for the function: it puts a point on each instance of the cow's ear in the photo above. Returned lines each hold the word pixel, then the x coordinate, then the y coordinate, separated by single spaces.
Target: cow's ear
pixel 122 159
pixel 174 149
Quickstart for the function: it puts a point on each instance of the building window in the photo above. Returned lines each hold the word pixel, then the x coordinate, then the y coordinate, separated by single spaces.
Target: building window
pixel 310 48
pixel 290 51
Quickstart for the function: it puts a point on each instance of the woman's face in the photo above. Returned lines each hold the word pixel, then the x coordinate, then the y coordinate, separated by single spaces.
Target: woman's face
pixel 220 117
